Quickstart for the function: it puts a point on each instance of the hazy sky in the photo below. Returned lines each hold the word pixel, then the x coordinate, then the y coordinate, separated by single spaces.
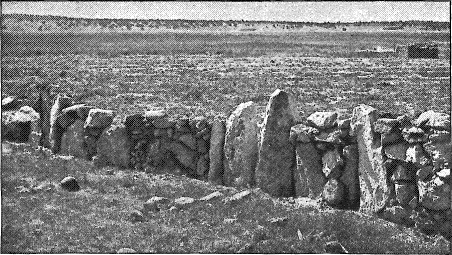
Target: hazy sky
pixel 288 11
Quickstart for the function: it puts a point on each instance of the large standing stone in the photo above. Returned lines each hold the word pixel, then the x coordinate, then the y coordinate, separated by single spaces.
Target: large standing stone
pixel 274 172
pixel 372 175
pixel 308 176
pixel 73 140
pixel 240 146
pixel 56 131
pixel 216 152
pixel 113 146
pixel 350 176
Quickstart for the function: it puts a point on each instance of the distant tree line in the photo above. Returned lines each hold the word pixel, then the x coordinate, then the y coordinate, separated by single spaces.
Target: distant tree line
pixel 67 22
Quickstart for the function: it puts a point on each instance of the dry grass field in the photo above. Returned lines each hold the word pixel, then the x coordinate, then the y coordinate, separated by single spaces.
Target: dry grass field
pixel 201 74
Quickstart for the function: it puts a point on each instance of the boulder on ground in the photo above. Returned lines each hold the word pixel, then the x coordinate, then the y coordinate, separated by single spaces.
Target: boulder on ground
pixel 155 204
pixel 17 125
pixel 113 146
pixel 322 120
pixel 432 119
pixel 372 175
pixel 274 172
pixel 216 152
pixel 70 184
pixel 241 146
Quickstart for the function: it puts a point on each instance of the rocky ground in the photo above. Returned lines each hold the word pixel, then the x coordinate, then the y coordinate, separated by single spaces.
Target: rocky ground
pixel 118 210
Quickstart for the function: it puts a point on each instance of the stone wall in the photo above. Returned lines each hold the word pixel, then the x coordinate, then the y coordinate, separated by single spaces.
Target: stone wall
pixel 393 166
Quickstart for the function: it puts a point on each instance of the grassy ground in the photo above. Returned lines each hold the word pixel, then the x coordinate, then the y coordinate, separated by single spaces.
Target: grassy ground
pixel 40 217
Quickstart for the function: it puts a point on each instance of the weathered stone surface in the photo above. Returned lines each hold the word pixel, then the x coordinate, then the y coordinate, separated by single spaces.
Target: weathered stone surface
pixel 323 120
pixel 332 164
pixel 64 120
pixel 240 146
pixel 216 152
pixel 391 138
pixel 424 173
pixel 183 202
pixel 136 216
pixel 432 119
pixel 416 155
pixel 344 123
pixel 202 146
pixel 98 118
pixel 401 173
pixel 163 123
pixel 80 110
pixel 445 173
pixel 237 197
pixel 125 251
pixel 414 135
pixel 211 196
pixel 73 141
pixel 404 121
pixel 302 133
pixel 202 167
pixel 440 153
pixel 350 176
pixel 439 136
pixel 17 125
pixel 333 192
pixel 10 103
pixel 374 188
pixel 396 151
pixel 155 204
pixel 274 172
pixel 404 193
pixel 308 175
pixel 434 194
pixel 333 137
pixel 113 146
pixel 56 132
pixel 70 184
pixel 184 155
pixel 385 125
pixel 396 214
pixel 154 114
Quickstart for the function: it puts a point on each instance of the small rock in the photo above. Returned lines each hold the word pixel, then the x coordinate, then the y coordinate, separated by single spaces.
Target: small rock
pixel 211 196
pixel 335 247
pixel 229 221
pixel 183 202
pixel 333 137
pixel 322 120
pixel 109 172
pixel 70 184
pixel 136 216
pixel 440 154
pixel 279 221
pixel 154 204
pixel 414 135
pixel 125 250
pixel 302 133
pixel 237 196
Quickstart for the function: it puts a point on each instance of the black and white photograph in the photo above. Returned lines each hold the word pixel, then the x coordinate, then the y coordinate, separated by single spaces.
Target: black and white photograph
pixel 219 127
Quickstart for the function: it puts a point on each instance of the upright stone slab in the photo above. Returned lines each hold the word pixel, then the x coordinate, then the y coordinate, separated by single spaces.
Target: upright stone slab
pixel 308 175
pixel 56 131
pixel 372 175
pixel 240 146
pixel 274 172
pixel 113 146
pixel 216 152
pixel 350 176
pixel 73 140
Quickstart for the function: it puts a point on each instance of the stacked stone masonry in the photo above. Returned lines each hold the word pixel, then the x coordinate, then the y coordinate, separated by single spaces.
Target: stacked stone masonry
pixel 393 166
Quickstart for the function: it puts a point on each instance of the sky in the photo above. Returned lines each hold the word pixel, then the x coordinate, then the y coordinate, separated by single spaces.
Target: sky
pixel 272 11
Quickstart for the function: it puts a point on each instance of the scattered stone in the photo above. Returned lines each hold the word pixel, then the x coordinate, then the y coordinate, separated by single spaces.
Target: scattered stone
pixel 238 196
pixel 240 146
pixel 98 118
pixel 374 189
pixel 155 204
pixel 216 152
pixel 136 216
pixel 432 119
pixel 274 172
pixel 183 202
pixel 125 251
pixel 211 196
pixel 334 247
pixel 416 155
pixel 73 141
pixel 70 184
pixel 322 120
pixel 385 125
pixel 229 221
pixel 332 164
pixel 350 176
pixel 333 192
pixel 113 146
pixel 308 175
pixel 434 194
pixel 396 151
pixel 404 193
